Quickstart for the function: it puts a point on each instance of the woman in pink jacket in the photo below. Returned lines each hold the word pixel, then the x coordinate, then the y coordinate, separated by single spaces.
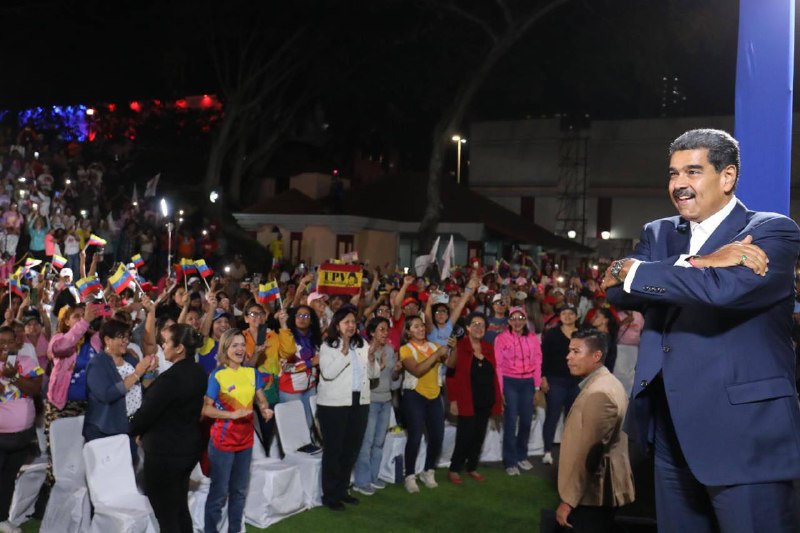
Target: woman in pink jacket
pixel 518 353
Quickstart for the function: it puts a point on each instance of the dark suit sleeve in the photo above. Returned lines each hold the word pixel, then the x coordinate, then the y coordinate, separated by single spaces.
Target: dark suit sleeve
pixel 158 399
pixel 616 295
pixel 733 287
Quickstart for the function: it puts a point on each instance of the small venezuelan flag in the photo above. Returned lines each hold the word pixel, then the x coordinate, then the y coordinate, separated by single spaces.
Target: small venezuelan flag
pixel 137 261
pixel 120 279
pixel 203 269
pixel 87 286
pixel 188 267
pixel 94 240
pixel 268 292
pixel 59 261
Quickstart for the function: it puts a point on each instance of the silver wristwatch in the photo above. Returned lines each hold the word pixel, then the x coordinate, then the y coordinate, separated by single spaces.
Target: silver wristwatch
pixel 616 268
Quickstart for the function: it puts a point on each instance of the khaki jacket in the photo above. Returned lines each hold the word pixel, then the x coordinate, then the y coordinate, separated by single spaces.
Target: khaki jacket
pixel 593 466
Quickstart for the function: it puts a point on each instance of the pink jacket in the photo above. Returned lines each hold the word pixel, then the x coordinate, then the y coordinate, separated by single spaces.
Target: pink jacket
pixel 518 357
pixel 63 351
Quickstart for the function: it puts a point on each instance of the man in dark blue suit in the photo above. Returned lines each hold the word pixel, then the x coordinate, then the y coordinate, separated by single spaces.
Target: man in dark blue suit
pixel 714 394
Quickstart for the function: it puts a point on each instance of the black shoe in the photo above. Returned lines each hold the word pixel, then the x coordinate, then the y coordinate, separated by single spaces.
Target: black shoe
pixel 352 500
pixel 335 506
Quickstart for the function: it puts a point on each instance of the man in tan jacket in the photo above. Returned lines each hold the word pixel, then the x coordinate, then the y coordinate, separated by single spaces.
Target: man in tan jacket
pixel 594 473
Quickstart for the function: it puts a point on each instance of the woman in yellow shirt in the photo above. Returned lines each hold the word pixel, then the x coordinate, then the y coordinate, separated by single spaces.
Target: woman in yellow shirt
pixel 422 407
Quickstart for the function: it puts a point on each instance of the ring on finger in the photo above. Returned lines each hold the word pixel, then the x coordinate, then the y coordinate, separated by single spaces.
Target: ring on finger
pixel 743 260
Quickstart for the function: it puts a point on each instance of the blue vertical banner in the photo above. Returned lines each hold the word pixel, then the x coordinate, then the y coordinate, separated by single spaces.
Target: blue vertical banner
pixel 764 76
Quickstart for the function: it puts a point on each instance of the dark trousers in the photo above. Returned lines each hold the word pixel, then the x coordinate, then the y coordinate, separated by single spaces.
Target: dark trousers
pixel 14 451
pixel 591 519
pixel 470 433
pixel 422 414
pixel 267 431
pixel 517 419
pixel 166 480
pixel 563 392
pixel 684 504
pixel 342 432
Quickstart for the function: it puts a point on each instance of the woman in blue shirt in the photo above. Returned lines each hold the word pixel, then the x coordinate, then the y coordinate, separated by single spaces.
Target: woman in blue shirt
pixel 37 229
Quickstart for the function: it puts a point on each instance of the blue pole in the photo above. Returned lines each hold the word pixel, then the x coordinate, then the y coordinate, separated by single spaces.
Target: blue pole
pixel 764 77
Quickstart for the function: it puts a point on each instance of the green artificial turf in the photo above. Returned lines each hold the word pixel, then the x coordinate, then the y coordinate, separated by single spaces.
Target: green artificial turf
pixel 501 503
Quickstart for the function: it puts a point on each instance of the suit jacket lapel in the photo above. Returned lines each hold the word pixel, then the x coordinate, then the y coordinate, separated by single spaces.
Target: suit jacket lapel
pixel 727 230
pixel 678 240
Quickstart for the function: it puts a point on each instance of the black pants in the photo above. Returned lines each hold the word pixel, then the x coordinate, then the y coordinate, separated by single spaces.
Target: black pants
pixel 14 451
pixel 166 480
pixel 267 430
pixel 470 433
pixel 422 415
pixel 342 432
pixel 590 519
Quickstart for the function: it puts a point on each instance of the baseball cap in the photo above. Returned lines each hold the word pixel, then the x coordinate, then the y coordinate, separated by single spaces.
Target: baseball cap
pixel 220 313
pixel 316 295
pixel 520 295
pixel 410 300
pixel 519 310
pixel 194 279
pixel 66 272
pixel 567 307
pixel 497 298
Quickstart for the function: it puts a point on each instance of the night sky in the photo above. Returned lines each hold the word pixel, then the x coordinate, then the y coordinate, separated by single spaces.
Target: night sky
pixel 385 64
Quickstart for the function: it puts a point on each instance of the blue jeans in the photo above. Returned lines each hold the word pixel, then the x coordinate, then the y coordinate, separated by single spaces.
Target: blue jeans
pixel 304 397
pixel 368 463
pixel 420 414
pixel 518 394
pixel 563 392
pixel 230 478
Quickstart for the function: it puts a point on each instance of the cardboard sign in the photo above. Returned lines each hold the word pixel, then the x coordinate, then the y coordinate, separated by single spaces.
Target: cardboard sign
pixel 339 279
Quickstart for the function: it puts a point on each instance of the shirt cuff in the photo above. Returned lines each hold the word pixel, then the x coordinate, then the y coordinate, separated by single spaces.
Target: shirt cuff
pixel 626 286
pixel 682 261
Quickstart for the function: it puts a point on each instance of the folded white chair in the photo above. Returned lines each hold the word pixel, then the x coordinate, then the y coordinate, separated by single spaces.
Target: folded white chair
pixel 198 494
pixel 26 490
pixel 118 506
pixel 492 450
pixel 275 492
pixel 290 419
pixel 536 441
pixel 393 450
pixel 68 508
pixel 448 445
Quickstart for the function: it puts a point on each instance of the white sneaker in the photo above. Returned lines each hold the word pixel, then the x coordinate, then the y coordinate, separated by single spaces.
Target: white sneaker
pixel 411 484
pixel 512 471
pixel 8 527
pixel 366 491
pixel 525 464
pixel 428 480
pixel 547 459
pixel 378 485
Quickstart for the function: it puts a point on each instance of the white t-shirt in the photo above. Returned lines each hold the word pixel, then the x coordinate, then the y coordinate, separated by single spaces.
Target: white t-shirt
pixel 72 245
pixel 133 398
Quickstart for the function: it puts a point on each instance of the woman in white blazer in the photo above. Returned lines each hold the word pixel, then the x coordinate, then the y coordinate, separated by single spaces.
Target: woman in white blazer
pixel 346 364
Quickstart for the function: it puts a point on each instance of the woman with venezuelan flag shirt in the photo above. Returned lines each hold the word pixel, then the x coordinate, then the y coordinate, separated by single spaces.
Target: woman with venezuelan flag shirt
pixel 232 387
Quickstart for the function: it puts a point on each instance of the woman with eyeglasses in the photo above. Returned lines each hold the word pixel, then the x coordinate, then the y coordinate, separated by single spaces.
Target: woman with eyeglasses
pixel 474 397
pixel 113 384
pixel 265 348
pixel 168 425
pixel 439 320
pixel 518 353
pixel 297 379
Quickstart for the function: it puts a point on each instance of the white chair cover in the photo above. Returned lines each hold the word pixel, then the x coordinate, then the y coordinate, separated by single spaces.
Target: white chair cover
pixel 26 490
pixel 448 445
pixel 536 441
pixel 118 506
pixel 290 419
pixel 275 492
pixel 393 449
pixel 68 509
pixel 198 494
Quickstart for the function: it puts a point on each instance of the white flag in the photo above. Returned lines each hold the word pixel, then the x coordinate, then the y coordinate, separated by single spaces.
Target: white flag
pixel 150 190
pixel 448 259
pixel 422 262
pixel 135 196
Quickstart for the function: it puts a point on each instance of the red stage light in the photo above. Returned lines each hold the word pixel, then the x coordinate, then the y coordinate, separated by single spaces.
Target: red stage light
pixel 181 104
pixel 136 106
pixel 206 101
pixel 112 108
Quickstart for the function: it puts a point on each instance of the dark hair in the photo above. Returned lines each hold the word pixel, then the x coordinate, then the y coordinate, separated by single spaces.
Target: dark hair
pixel 333 329
pixel 373 324
pixel 435 307
pixel 186 336
pixel 8 329
pixel 314 329
pixel 112 329
pixel 595 340
pixel 723 149
pixel 407 325
pixel 613 327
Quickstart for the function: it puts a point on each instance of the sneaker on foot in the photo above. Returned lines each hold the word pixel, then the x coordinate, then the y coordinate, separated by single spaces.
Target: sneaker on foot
pixel 8 527
pixel 525 464
pixel 411 484
pixel 378 485
pixel 428 480
pixel 512 471
pixel 547 459
pixel 366 491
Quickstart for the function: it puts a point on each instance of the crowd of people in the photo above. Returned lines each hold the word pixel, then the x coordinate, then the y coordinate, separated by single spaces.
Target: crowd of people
pixel 150 353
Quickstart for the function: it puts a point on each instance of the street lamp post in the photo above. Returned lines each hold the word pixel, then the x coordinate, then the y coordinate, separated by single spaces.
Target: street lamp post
pixel 459 141
pixel 165 212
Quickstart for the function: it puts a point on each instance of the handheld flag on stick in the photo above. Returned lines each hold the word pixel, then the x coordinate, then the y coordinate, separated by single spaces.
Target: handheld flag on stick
pixel 94 240
pixel 87 286
pixel 268 292
pixel 59 261
pixel 203 269
pixel 120 279
pixel 188 267
pixel 15 287
pixel 137 261
pixel 30 262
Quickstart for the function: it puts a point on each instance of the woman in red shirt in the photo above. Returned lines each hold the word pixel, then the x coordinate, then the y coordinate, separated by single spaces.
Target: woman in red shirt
pixel 474 396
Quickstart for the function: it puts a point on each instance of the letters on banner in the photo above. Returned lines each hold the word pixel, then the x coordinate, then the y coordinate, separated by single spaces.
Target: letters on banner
pixel 339 279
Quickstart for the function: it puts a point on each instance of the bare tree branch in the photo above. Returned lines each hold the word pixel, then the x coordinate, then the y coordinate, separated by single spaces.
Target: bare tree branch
pixel 451 6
